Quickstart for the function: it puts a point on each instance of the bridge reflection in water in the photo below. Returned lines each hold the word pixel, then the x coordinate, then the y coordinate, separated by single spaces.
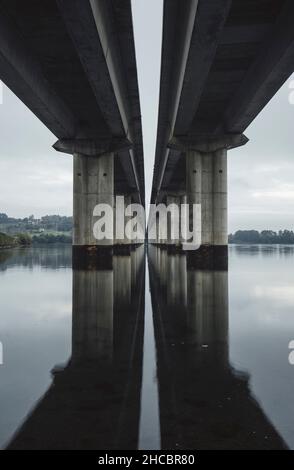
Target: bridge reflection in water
pixel 95 400
pixel 204 402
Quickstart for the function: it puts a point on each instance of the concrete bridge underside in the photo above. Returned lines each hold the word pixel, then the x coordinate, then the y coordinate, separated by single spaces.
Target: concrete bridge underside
pixel 222 62
pixel 72 62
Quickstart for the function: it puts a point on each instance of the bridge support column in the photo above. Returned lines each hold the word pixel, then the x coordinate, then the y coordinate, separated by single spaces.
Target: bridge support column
pixel 170 202
pixel 207 212
pixel 156 222
pixel 206 179
pixel 220 198
pixel 127 202
pixel 121 241
pixel 93 185
pixel 141 228
pixel 161 233
pixel 183 220
pixel 174 220
pixel 193 184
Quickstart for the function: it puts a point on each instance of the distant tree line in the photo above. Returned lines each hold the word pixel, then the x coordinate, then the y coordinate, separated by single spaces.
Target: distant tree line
pixel 24 239
pixel 49 239
pixel 53 223
pixel 58 229
pixel 21 239
pixel 283 237
pixel 47 230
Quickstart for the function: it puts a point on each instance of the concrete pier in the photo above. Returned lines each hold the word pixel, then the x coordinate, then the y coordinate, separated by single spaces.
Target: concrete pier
pixel 220 198
pixel 193 184
pixel 206 182
pixel 93 185
pixel 206 179
pixel 173 220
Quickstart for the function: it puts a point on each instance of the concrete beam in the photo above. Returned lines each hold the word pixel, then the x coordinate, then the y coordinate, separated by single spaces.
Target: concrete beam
pixel 91 148
pixel 188 62
pixel 94 28
pixel 208 144
pixel 81 25
pixel 178 26
pixel 20 71
pixel 207 31
pixel 271 69
pixel 127 99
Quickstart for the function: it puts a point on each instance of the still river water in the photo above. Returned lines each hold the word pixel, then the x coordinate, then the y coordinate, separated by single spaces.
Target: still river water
pixel 147 355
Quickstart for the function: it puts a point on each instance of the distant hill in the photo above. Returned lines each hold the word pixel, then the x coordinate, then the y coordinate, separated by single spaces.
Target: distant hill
pixel 46 230
pixel 283 237
pixel 48 223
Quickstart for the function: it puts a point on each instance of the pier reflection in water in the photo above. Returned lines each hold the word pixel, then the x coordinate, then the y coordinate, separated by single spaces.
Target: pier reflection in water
pixel 118 379
pixel 94 400
pixel 204 402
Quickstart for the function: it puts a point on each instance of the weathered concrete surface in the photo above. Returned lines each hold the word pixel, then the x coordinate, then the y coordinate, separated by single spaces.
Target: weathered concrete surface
pixel 93 184
pixel 220 198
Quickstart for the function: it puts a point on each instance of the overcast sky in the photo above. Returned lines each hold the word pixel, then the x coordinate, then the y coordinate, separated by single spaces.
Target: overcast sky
pixel 34 179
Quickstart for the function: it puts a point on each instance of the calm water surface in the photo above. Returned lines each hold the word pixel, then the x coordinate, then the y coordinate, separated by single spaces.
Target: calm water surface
pixel 146 355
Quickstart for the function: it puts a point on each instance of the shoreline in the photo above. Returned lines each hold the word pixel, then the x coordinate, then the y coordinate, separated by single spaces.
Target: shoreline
pixel 8 247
